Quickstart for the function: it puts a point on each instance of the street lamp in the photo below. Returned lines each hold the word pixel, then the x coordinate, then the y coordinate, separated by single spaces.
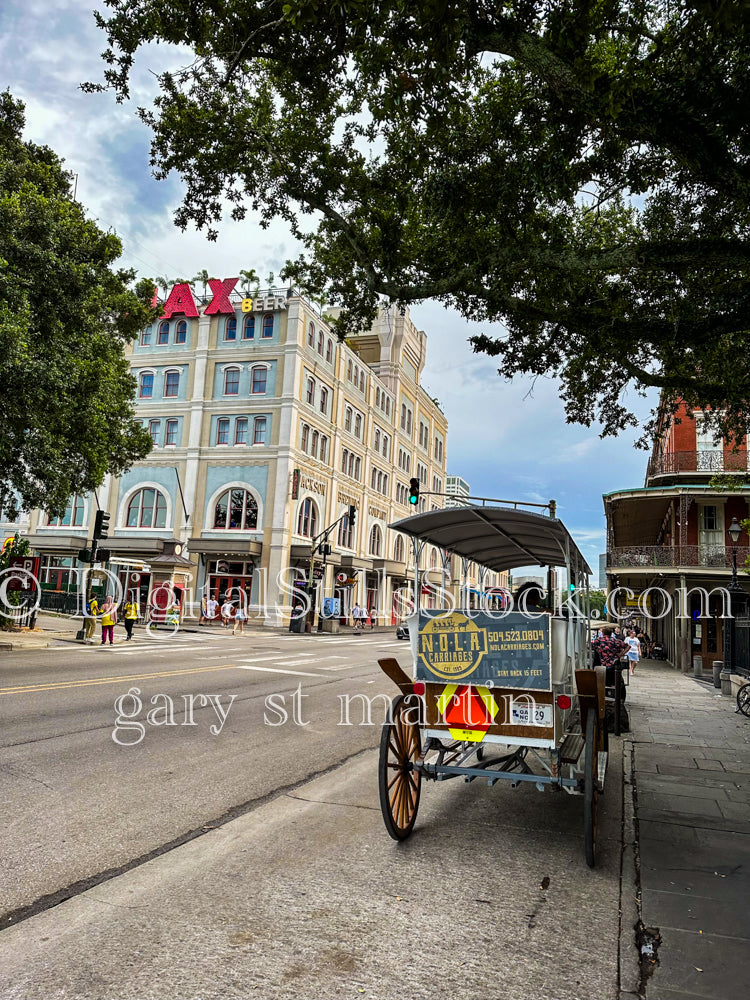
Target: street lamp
pixel 734 531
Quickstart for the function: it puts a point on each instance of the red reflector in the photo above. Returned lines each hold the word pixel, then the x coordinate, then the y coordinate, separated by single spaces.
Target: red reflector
pixel 419 688
pixel 563 701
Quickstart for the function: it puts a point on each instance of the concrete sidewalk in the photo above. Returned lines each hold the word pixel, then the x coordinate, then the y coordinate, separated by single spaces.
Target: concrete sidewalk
pixel 51 628
pixel 687 760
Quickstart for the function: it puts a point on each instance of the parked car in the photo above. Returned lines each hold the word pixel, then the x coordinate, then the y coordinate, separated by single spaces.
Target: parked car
pixel 402 630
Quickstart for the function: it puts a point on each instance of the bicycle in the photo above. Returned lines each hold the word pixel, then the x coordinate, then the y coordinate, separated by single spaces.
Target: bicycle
pixel 743 700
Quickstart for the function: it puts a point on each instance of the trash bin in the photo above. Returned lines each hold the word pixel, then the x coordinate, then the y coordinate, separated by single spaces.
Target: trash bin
pixel 697 665
pixel 297 624
pixel 718 666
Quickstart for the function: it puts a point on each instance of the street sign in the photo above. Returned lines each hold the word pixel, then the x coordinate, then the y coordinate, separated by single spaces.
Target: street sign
pixel 30 566
pixel 295 484
pixel 318 573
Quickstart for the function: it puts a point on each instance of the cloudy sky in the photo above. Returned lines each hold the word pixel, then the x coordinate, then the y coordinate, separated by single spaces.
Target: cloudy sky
pixel 507 440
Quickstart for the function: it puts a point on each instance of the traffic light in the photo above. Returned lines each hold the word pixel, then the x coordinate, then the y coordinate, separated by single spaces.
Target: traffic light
pixel 101 525
pixel 352 515
pixel 413 491
pixel 103 555
pixel 84 555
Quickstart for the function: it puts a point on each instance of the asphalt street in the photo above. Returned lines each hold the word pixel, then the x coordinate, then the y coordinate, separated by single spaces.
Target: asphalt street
pixel 253 860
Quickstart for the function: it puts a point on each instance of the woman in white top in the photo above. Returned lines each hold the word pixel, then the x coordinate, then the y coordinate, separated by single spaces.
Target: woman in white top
pixel 226 613
pixel 634 653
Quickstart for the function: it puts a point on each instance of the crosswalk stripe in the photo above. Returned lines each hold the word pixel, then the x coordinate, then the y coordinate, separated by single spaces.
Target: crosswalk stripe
pixel 275 670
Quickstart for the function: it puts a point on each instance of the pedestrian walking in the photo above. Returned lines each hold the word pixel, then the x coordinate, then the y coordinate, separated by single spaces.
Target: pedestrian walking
pixel 634 652
pixel 239 619
pixel 131 617
pixel 109 620
pixel 204 611
pixel 212 608
pixel 226 613
pixel 356 619
pixel 89 624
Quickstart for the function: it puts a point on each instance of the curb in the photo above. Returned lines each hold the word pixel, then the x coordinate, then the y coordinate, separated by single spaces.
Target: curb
pixel 630 891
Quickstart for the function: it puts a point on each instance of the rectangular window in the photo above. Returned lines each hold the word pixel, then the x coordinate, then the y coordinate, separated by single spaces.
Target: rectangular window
pixel 240 431
pixel 171 434
pixel 180 336
pixel 171 383
pixel 222 431
pixel 259 380
pixel 146 338
pixel 259 430
pixel 153 429
pixel 231 382
pixel 147 385
pixel 163 335
pixel 267 326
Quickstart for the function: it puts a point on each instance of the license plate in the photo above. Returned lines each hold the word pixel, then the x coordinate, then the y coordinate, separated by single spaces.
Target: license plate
pixel 522 714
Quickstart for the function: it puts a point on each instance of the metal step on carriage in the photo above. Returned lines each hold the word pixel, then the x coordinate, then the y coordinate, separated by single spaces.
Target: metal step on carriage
pixel 503 694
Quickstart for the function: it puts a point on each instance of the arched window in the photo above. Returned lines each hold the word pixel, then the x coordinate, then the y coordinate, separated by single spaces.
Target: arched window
pixel 361 381
pixel 171 383
pixel 268 325
pixel 147 509
pixel 314 445
pixel 248 328
pixel 230 329
pixel 162 336
pixel 323 399
pixel 358 426
pixel 307 520
pixel 305 440
pixel 329 350
pixel 398 549
pixel 346 533
pixel 181 334
pixel 357 468
pixel 231 382
pixel 351 464
pixel 73 516
pixel 258 381
pixel 236 510
pixel 348 419
pixel 310 396
pixel 344 459
pixel 323 448
pixel 434 559
pixel 376 539
pixel 311 335
pixel 320 343
pixel 259 430
pixel 376 442
pixel 146 385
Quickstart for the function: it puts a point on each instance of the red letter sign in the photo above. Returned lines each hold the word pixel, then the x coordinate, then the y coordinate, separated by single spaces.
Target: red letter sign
pixel 180 301
pixel 221 290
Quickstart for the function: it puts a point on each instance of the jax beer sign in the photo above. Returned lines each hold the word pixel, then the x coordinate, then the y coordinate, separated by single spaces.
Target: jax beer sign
pixel 180 300
pixel 511 651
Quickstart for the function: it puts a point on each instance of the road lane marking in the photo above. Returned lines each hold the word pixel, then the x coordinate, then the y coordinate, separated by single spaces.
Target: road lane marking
pixel 65 685
pixel 276 670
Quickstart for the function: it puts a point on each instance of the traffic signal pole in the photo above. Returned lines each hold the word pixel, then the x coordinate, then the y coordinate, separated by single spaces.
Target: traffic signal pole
pixel 321 542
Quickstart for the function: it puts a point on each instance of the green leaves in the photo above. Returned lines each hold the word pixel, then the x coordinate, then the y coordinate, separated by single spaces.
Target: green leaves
pixel 579 172
pixel 65 315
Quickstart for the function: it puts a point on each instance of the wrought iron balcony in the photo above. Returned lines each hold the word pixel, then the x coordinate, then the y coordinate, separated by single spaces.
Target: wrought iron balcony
pixel 698 461
pixel 666 556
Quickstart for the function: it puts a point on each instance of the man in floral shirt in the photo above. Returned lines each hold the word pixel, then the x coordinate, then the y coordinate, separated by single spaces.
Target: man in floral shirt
pixel 610 649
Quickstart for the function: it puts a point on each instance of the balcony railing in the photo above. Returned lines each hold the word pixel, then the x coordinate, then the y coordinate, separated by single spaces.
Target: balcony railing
pixel 658 556
pixel 698 461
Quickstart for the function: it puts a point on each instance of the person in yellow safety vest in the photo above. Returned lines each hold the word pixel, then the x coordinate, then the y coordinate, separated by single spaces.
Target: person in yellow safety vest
pixel 89 624
pixel 131 616
pixel 109 620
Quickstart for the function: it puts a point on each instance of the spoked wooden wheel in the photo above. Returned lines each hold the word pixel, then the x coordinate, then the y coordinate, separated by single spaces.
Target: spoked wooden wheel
pixel 743 700
pixel 400 784
pixel 590 788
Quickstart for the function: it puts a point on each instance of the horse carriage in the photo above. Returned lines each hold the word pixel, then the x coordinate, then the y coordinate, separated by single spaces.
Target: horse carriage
pixel 504 693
